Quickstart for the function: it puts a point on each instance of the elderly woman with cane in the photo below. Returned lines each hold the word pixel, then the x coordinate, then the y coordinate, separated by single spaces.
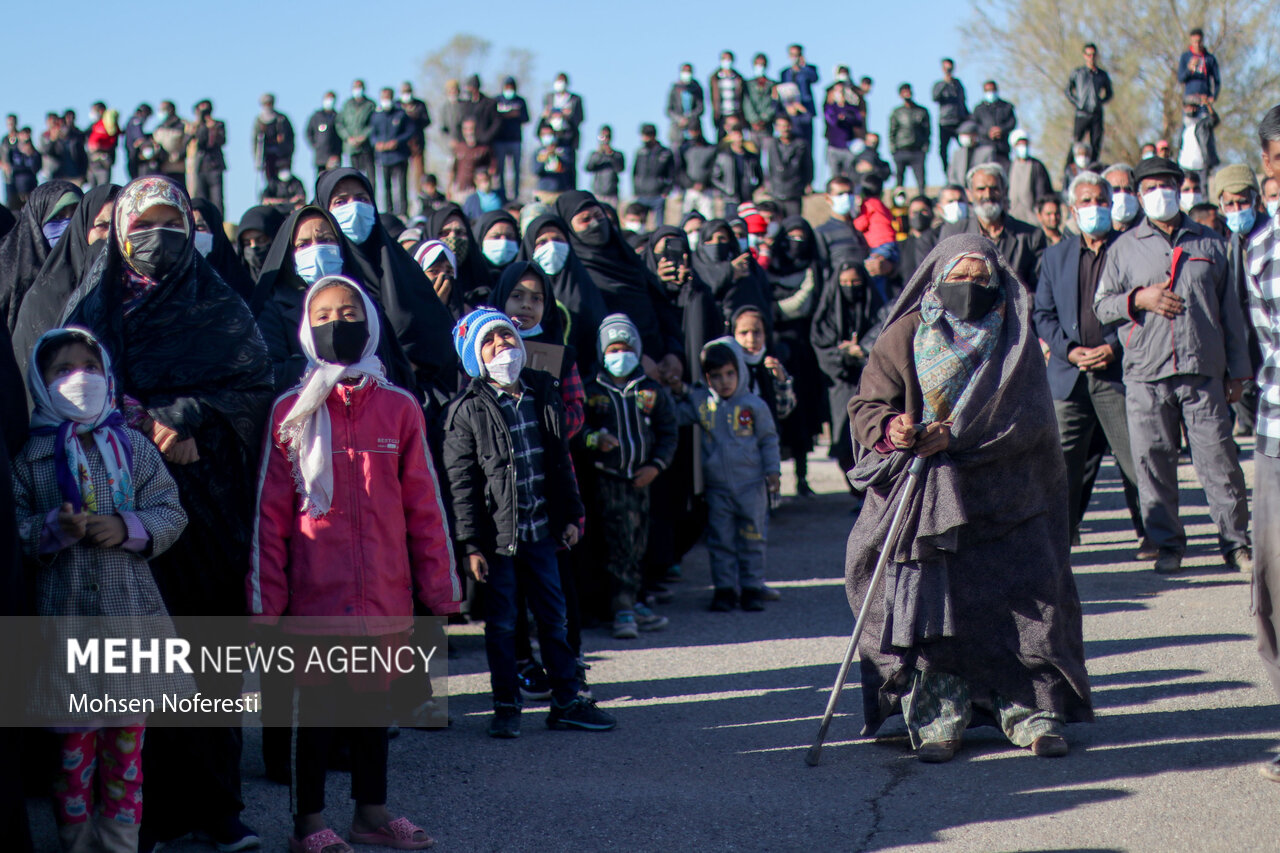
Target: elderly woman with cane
pixel 977 619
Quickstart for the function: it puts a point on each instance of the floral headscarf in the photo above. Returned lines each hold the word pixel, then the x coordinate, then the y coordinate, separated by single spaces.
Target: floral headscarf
pixel 137 198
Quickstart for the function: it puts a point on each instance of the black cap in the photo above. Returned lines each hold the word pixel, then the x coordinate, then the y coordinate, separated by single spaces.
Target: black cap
pixel 1156 167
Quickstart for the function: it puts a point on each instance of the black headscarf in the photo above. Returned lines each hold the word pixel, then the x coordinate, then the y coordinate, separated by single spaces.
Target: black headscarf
pixel 731 293
pixel 553 314
pixel 266 218
pixel 190 353
pixel 393 224
pixel 222 257
pixel 472 275
pixel 46 299
pixel 573 289
pixel 24 249
pixel 481 227
pixel 278 299
pixel 625 282
pixel 700 316
pixel 6 221
pixel 422 323
pixel 785 260
pixel 845 311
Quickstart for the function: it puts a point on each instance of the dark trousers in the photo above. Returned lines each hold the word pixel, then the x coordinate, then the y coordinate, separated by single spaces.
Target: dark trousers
pixel 790 206
pixel 363 161
pixel 914 159
pixel 621 517
pixel 572 612
pixel 534 568
pixel 209 186
pixel 1094 405
pixel 502 153
pixel 395 188
pixel 312 739
pixel 946 133
pixel 1088 127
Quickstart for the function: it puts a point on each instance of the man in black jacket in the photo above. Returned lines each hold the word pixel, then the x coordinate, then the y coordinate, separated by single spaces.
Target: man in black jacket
pixel 322 134
pixel 996 119
pixel 789 169
pixel 653 173
pixel 483 109
pixel 1088 89
pixel 515 500
pixel 948 94
pixel 210 135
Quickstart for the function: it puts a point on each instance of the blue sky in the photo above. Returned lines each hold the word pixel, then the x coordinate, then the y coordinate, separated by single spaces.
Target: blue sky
pixel 621 57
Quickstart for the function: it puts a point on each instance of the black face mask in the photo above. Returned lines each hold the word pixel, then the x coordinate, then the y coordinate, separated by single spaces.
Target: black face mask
pixel 255 257
pixel 156 251
pixel 920 221
pixel 800 251
pixel 595 235
pixel 967 300
pixel 720 252
pixel 340 342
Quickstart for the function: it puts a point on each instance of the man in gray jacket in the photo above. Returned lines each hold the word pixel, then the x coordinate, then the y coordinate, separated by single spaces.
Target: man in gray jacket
pixel 789 168
pixel 1088 88
pixel 1166 284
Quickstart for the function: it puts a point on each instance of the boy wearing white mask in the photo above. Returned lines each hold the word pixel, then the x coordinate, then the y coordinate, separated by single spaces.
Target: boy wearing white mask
pixel 630 437
pixel 94 501
pixel 1166 284
pixel 515 502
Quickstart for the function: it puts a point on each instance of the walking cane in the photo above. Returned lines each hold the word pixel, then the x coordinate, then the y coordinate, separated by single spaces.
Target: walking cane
pixel 891 540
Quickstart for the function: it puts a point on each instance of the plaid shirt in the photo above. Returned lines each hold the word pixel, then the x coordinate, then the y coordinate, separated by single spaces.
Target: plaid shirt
pixel 526 449
pixel 1262 278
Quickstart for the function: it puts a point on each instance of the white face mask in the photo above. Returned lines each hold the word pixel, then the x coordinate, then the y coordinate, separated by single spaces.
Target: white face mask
pixel 966 141
pixel 406 97
pixel 560 86
pixel 204 242
pixel 1160 204
pixel 506 366
pixel 1082 161
pixel 551 256
pixel 954 211
pixel 686 77
pixel 79 396
pixel 385 103
pixel 357 93
pixel 1273 207
pixel 327 103
pixel 1021 151
pixel 1186 201
pixel 1124 207
pixel 726 64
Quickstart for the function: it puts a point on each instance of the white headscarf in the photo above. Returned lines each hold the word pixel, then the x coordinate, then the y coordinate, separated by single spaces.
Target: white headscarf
pixel 306 431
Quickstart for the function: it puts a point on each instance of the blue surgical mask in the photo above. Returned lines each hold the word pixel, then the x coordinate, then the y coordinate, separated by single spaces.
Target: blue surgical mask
pixel 1273 207
pixel 355 218
pixel 53 230
pixel 841 204
pixel 1241 221
pixel 621 364
pixel 500 251
pixel 316 261
pixel 1095 220
pixel 531 332
pixel 551 256
pixel 990 97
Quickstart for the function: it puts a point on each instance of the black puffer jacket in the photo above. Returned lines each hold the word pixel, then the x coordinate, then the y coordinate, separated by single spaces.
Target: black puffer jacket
pixel 482 473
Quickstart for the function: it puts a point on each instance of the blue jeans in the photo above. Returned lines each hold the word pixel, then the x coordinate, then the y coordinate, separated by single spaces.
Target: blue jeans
pixel 502 152
pixel 534 571
pixel 656 203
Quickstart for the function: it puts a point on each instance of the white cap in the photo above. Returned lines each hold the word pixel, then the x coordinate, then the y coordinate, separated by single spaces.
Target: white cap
pixel 1017 136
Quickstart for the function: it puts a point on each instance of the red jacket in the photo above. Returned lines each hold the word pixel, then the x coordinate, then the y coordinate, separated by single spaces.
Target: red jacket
pixel 355 570
pixel 875 223
pixel 100 140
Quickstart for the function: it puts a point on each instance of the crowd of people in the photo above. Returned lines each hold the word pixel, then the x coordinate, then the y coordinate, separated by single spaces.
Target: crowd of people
pixel 540 403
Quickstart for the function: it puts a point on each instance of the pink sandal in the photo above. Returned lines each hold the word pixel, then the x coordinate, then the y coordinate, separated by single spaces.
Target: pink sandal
pixel 398 835
pixel 319 842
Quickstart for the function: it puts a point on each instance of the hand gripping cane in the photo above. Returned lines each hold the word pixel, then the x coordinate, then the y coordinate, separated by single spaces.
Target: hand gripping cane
pixel 891 540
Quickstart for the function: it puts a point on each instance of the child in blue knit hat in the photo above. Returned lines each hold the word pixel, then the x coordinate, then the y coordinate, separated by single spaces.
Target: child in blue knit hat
pixel 515 502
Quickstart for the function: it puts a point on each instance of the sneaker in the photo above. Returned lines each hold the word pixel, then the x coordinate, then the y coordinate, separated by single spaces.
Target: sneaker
pixel 1147 550
pixel 624 625
pixel 752 600
pixel 657 594
pixel 584 690
pixel 647 620
pixel 768 593
pixel 505 722
pixel 534 684
pixel 1241 559
pixel 1168 562
pixel 232 835
pixel 724 600
pixel 580 714
pixel 803 490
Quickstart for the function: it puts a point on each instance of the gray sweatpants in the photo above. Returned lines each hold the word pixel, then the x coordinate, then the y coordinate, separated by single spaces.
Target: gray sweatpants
pixel 737 531
pixel 1157 410
pixel 1265 604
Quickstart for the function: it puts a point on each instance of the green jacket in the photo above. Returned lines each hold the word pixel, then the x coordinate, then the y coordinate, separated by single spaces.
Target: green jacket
pixel 909 128
pixel 356 120
pixel 758 104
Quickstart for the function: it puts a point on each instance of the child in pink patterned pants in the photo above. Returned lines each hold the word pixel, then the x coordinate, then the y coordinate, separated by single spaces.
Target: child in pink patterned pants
pixel 102 766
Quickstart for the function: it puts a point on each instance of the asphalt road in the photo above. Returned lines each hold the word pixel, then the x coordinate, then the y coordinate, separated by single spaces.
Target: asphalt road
pixel 716 713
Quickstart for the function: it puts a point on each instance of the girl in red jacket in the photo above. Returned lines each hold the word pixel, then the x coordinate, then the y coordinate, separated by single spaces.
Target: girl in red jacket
pixel 350 528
